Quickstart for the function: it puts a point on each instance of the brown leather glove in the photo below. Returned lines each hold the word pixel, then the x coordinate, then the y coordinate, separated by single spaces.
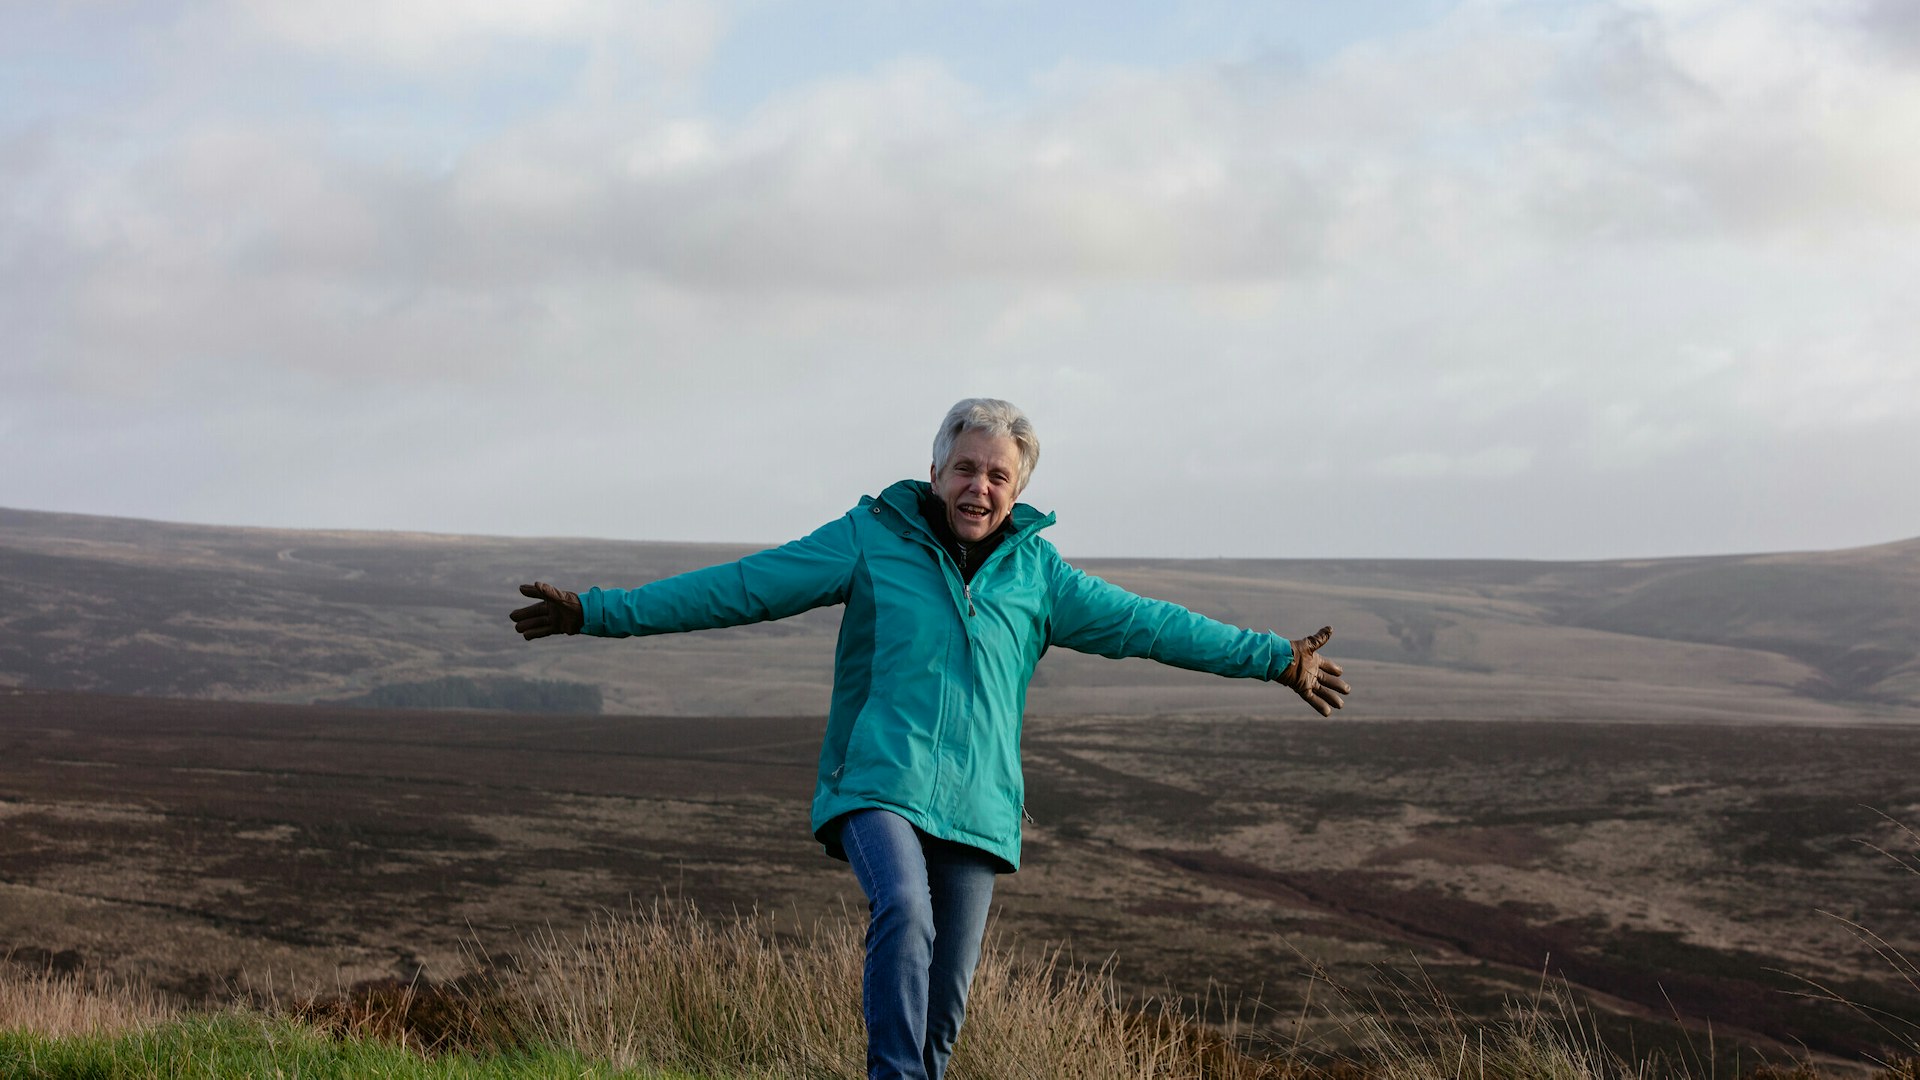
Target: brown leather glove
pixel 558 612
pixel 1315 679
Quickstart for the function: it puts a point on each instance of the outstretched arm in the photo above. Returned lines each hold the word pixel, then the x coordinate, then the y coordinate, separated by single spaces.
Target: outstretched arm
pixel 1095 616
pixel 773 584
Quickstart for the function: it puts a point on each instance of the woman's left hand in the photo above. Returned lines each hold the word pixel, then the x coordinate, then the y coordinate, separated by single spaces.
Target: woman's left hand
pixel 1316 679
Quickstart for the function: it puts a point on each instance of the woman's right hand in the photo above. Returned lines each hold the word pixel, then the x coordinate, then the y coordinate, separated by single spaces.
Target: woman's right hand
pixel 558 612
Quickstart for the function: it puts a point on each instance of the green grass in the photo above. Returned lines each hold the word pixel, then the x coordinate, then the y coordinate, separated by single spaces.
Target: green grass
pixel 249 1045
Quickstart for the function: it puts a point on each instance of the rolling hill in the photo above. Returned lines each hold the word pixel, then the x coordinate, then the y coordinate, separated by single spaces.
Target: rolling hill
pixel 123 606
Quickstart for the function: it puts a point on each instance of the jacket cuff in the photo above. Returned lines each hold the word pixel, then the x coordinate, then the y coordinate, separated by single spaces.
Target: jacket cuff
pixel 593 611
pixel 1282 658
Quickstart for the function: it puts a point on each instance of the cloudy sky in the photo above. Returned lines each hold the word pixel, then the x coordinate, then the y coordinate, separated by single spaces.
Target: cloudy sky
pixel 1544 279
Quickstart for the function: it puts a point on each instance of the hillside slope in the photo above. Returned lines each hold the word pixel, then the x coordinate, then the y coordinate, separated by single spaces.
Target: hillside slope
pixel 137 607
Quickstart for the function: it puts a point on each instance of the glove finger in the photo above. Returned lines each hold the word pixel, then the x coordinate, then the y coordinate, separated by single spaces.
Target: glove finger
pixel 532 633
pixel 1327 695
pixel 1314 642
pixel 1337 684
pixel 527 612
pixel 533 590
pixel 539 620
pixel 1329 667
pixel 1319 706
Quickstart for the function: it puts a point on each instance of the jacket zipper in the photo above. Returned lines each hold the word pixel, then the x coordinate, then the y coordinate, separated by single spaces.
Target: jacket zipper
pixel 966 586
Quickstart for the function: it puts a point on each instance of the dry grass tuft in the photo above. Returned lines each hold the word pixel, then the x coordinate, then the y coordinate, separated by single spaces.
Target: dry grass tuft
pixel 1048 1019
pixel 668 988
pixel 61 1005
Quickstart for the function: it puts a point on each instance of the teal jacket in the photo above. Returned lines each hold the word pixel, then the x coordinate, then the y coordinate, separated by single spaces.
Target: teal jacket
pixel 930 674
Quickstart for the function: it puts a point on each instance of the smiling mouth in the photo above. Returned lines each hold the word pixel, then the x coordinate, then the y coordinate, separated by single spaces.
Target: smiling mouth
pixel 978 513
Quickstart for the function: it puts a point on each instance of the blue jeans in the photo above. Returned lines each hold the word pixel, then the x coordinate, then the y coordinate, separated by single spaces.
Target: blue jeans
pixel 927 903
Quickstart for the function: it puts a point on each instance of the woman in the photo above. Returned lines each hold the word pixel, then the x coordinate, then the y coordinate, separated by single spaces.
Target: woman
pixel 951 597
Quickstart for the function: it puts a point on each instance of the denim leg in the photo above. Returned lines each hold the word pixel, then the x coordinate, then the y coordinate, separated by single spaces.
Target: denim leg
pixel 886 857
pixel 961 881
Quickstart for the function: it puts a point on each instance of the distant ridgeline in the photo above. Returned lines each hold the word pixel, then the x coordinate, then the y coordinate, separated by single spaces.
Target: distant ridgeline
pixel 507 693
pixel 118 606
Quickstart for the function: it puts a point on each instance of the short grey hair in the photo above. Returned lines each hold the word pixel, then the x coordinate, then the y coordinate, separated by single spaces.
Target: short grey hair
pixel 995 417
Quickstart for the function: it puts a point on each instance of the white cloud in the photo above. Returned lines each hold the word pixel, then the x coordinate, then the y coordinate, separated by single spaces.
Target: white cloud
pixel 1536 253
pixel 437 36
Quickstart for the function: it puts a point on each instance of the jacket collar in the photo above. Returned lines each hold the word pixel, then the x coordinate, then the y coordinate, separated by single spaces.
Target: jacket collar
pixel 903 499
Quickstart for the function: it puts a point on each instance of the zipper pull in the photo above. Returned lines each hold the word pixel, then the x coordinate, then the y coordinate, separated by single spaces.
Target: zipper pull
pixel 968 589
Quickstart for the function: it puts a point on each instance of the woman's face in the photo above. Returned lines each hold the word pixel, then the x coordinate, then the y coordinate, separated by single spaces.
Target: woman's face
pixel 979 483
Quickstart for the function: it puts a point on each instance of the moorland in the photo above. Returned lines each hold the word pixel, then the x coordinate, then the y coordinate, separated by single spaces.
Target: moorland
pixel 1659 781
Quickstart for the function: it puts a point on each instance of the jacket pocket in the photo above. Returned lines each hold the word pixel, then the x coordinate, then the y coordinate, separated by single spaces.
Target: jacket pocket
pixel 857 756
